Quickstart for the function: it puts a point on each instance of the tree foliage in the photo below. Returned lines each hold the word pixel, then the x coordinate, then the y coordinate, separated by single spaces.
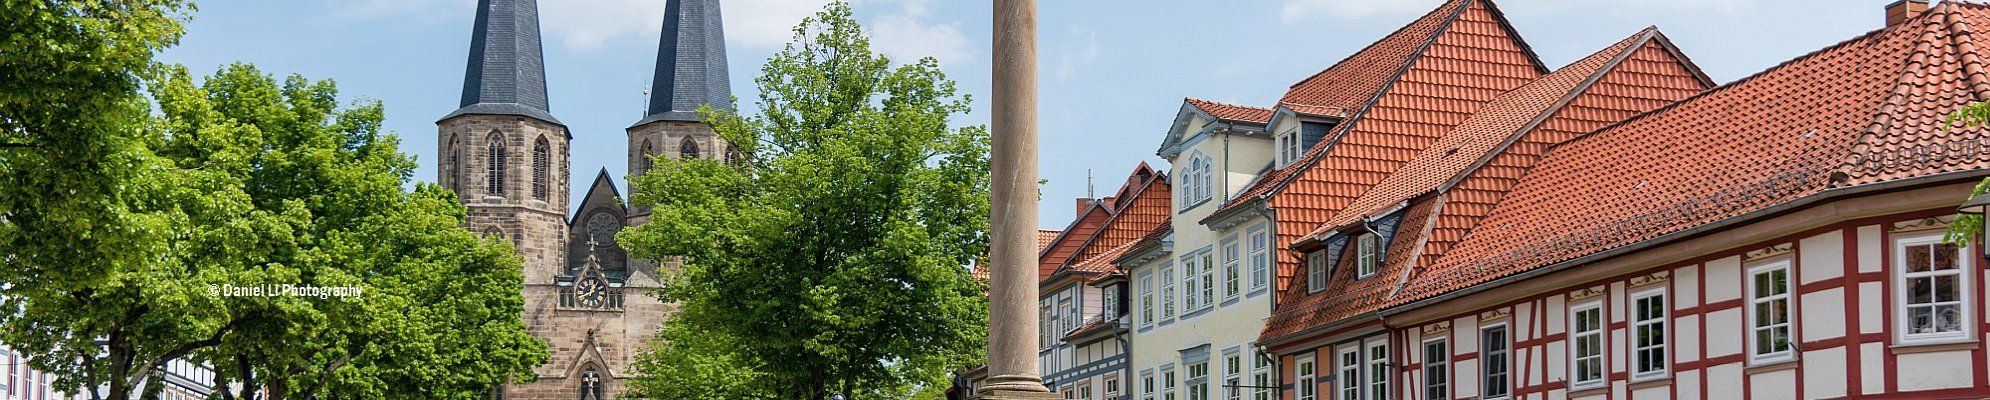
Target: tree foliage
pixel 830 258
pixel 1966 228
pixel 122 228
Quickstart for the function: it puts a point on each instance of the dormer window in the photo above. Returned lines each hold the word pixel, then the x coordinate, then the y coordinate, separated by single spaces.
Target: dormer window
pixel 1288 147
pixel 1316 271
pixel 1367 257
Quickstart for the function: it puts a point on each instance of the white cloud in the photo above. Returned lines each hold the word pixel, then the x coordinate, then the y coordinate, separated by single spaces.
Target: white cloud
pixel 766 23
pixel 1076 54
pixel 910 33
pixel 584 25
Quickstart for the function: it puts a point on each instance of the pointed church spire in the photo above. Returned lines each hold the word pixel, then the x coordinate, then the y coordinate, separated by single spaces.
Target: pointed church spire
pixel 507 71
pixel 690 63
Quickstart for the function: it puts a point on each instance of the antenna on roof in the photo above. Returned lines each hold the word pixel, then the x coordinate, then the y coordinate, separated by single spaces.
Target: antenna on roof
pixel 1088 184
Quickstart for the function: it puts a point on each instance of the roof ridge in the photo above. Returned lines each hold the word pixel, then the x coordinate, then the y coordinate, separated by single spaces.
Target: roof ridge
pixel 1943 24
pixel 1319 151
pixel 1371 45
pixel 1220 103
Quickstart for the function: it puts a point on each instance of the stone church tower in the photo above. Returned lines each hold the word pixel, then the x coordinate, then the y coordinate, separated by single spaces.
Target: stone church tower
pixel 506 157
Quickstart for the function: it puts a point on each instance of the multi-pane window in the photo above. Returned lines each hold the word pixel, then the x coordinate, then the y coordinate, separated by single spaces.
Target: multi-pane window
pixel 1436 370
pixel 454 171
pixel 1232 269
pixel 1932 279
pixel 541 157
pixel 1146 299
pixel 1208 277
pixel 1648 336
pixel 1378 371
pixel 1167 293
pixel 1586 335
pixel 1112 386
pixel 1085 390
pixel 1191 283
pixel 1147 389
pixel 1350 373
pixel 1261 378
pixel 1233 375
pixel 1198 381
pixel 1168 383
pixel 1288 147
pixel 1316 271
pixel 1203 184
pixel 1769 312
pixel 1494 367
pixel 688 149
pixel 1302 375
pixel 1109 302
pixel 1260 251
pixel 1045 321
pixel 1067 315
pixel 1366 257
pixel 494 165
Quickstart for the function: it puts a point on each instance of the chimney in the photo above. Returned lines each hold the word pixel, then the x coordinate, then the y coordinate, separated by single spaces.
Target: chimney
pixel 1903 10
pixel 1083 203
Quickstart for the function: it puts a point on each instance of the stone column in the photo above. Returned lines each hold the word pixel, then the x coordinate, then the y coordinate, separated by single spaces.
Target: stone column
pixel 1012 319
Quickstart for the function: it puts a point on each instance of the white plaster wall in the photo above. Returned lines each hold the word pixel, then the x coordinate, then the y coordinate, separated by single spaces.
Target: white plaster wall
pixel 1936 370
pixel 1821 257
pixel 1775 385
pixel 1824 373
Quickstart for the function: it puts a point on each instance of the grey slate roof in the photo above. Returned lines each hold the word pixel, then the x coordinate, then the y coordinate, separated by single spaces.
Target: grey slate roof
pixel 507 71
pixel 690 63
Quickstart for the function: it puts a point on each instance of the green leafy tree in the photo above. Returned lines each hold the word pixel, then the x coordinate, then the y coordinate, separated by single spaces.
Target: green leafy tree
pixel 119 227
pixel 1966 227
pixel 829 257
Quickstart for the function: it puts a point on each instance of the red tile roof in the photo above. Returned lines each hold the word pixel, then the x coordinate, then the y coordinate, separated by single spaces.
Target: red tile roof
pixel 1477 161
pixel 1142 203
pixel 1862 112
pixel 1405 91
pixel 1232 112
pixel 1045 236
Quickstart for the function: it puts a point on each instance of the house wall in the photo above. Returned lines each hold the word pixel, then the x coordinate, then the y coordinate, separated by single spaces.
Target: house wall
pixel 1844 262
pixel 1232 323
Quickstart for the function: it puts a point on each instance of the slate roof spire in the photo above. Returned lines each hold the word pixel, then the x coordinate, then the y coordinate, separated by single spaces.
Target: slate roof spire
pixel 507 70
pixel 690 63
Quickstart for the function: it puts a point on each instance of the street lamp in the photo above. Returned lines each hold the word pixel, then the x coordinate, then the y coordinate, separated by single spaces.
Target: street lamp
pixel 1979 206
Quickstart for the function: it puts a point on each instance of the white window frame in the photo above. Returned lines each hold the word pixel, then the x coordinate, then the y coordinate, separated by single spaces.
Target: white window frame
pixel 1207 257
pixel 1169 383
pixel 1044 323
pixel 1349 363
pixel 1147 387
pixel 1639 349
pixel 1111 383
pixel 1755 300
pixel 1288 147
pixel 1964 264
pixel 1367 254
pixel 1437 368
pixel 1233 374
pixel 1261 375
pixel 1109 302
pixel 1147 304
pixel 1575 379
pixel 1260 255
pixel 1197 385
pixel 1191 294
pixel 1378 369
pixel 1304 384
pixel 1233 260
pixel 1316 271
pixel 1503 357
pixel 1167 279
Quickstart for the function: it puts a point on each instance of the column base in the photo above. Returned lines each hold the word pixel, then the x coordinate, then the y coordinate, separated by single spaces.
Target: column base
pixel 999 394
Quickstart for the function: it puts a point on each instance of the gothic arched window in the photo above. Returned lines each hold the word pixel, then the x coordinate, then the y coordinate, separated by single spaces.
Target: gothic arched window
pixel 452 175
pixel 494 165
pixel 590 384
pixel 540 156
pixel 644 155
pixel 687 150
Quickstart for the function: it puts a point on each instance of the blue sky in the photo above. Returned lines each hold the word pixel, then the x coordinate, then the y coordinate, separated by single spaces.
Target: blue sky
pixel 1113 73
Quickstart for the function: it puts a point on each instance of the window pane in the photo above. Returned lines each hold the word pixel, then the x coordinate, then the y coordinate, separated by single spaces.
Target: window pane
pixel 1945 288
pixel 1918 258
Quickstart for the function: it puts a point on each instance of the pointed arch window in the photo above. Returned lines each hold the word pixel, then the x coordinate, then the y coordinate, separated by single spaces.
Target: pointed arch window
pixel 688 149
pixel 644 155
pixel 453 175
pixel 590 384
pixel 494 165
pixel 541 156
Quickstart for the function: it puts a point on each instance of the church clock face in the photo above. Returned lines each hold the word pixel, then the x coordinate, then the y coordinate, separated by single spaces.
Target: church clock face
pixel 589 292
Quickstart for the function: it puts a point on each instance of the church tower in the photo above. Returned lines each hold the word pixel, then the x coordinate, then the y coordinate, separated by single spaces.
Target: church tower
pixel 690 72
pixel 503 152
